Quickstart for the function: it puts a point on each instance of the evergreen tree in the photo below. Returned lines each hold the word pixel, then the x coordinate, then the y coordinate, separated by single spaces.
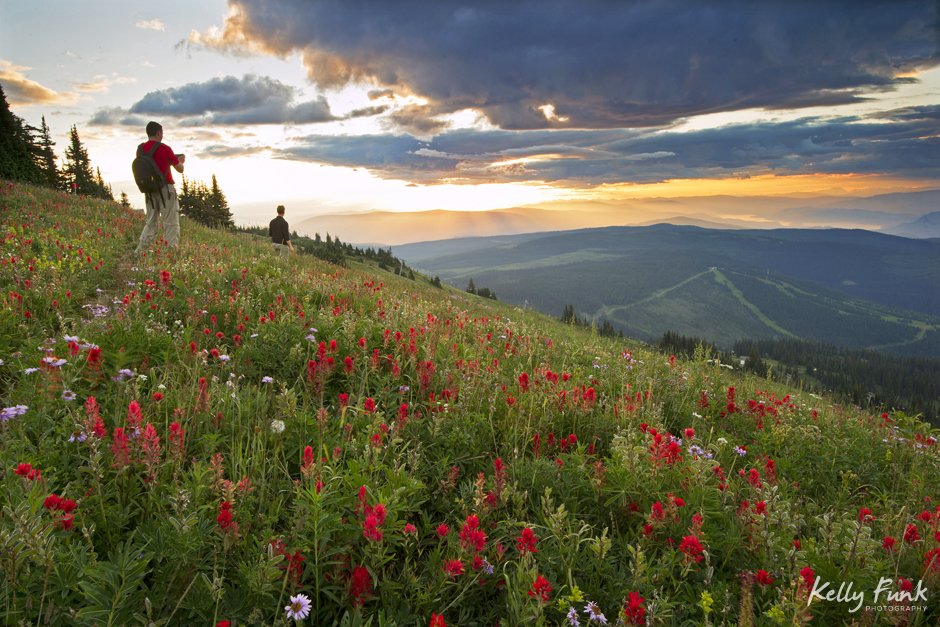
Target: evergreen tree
pixel 205 205
pixel 104 189
pixel 47 158
pixel 471 288
pixel 78 166
pixel 568 316
pixel 125 201
pixel 16 148
pixel 754 363
pixel 192 199
pixel 219 213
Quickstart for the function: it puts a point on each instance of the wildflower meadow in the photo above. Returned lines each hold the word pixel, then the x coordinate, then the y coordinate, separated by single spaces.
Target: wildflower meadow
pixel 217 436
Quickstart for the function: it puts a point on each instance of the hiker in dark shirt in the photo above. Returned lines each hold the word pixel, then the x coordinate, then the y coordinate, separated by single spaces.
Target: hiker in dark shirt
pixel 280 234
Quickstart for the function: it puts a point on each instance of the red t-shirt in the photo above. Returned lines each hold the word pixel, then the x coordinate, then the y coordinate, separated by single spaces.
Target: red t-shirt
pixel 165 157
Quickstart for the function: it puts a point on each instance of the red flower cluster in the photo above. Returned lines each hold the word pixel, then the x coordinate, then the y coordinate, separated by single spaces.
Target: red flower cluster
pixel 226 524
pixel 134 415
pixel 692 548
pixel 150 445
pixel 525 542
pixel 374 517
pixel 541 589
pixel 809 578
pixel 499 476
pixel 27 471
pixel 177 439
pixel 360 586
pixel 55 503
pixel 763 578
pixel 452 568
pixel 471 538
pixel 293 563
pixel 308 468
pixel 633 611
pixel 122 454
pixel 664 449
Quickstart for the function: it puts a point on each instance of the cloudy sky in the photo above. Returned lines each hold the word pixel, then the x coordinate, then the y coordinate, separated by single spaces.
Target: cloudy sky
pixel 355 105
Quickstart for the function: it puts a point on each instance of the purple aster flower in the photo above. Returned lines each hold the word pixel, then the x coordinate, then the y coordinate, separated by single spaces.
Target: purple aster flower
pixel 299 607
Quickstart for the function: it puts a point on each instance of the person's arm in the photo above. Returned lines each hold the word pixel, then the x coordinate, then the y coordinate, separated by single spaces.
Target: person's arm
pixel 287 237
pixel 179 166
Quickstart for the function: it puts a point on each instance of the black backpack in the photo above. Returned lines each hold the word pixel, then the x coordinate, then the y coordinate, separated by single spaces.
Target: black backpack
pixel 150 180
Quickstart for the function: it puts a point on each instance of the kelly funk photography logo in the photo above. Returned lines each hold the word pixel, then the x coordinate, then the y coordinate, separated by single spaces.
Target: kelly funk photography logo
pixel 885 597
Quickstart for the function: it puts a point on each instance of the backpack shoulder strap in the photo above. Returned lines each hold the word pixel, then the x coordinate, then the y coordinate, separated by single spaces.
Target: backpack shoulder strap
pixel 153 149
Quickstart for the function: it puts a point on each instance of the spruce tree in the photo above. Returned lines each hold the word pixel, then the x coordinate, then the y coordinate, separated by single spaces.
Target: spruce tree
pixel 104 189
pixel 16 148
pixel 471 288
pixel 125 201
pixel 219 213
pixel 47 158
pixel 193 201
pixel 78 166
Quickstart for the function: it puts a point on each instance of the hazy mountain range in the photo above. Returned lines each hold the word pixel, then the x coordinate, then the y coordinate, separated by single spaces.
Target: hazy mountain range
pixel 906 214
pixel 851 287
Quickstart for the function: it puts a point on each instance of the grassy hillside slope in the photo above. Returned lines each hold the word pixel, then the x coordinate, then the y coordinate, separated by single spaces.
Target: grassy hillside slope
pixel 211 435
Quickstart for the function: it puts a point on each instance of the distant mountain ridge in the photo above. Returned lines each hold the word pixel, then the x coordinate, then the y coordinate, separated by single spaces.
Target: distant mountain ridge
pixel 853 287
pixel 384 228
pixel 925 227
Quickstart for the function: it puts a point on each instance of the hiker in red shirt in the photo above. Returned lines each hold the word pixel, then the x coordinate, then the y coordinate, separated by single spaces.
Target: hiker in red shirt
pixel 170 205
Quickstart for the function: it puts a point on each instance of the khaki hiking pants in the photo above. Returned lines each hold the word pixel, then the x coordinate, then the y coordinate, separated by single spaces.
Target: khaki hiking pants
pixel 169 211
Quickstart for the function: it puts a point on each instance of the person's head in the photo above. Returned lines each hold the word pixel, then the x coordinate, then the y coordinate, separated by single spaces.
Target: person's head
pixel 154 130
pixel 280 210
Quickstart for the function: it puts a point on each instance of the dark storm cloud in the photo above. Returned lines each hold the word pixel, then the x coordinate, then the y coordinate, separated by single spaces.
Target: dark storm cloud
pixel 233 101
pixel 902 143
pixel 600 64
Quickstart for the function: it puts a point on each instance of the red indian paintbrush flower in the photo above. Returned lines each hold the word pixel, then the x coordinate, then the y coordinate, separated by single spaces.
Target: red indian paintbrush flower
pixel 763 578
pixel 525 542
pixel 360 586
pixel 453 568
pixel 471 538
pixel 692 548
pixel 122 454
pixel 541 589
pixel 633 611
